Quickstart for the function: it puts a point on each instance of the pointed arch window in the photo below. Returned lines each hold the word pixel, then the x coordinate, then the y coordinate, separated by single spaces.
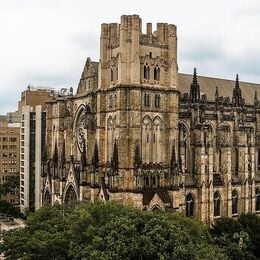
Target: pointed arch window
pixel 216 204
pixel 183 147
pixel 234 202
pixel 157 100
pixel 146 72
pixel 147 100
pixel 257 199
pixel 156 73
pixel 189 205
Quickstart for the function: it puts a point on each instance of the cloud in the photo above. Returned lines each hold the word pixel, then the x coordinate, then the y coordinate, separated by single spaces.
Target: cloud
pixel 47 42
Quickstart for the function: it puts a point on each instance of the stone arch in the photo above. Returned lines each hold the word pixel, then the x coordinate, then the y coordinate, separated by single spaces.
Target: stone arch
pixel 156 208
pixel 70 194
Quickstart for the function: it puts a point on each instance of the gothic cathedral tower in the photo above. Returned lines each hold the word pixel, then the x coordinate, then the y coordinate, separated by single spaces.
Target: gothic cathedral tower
pixel 137 101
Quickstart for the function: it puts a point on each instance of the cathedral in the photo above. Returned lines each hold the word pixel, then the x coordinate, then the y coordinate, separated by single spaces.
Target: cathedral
pixel 139 132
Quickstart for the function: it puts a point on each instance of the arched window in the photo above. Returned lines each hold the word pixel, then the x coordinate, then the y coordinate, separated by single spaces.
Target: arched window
pixel 183 147
pixel 189 205
pixel 257 199
pixel 146 139
pixel 146 100
pixel 47 198
pixel 157 146
pixel 156 73
pixel 216 204
pixel 111 124
pixel 146 72
pixel 234 202
pixel 70 195
pixel 157 100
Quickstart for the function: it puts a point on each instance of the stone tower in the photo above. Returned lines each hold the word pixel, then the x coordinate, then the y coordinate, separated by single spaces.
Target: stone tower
pixel 137 97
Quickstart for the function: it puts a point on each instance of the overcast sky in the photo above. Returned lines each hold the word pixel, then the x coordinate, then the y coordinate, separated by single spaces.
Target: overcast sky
pixel 46 42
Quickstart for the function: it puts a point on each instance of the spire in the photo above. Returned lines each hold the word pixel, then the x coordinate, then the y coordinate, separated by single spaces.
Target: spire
pixel 194 79
pixel 55 155
pixel 237 82
pixel 114 160
pixel 137 158
pixel 237 95
pixel 83 159
pixel 95 159
pixel 63 155
pixel 194 88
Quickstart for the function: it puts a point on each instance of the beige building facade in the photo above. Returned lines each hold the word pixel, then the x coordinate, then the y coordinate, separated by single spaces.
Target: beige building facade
pixel 9 156
pixel 139 132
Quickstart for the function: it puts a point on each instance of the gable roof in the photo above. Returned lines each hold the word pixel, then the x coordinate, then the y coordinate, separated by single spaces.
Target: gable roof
pixel 225 87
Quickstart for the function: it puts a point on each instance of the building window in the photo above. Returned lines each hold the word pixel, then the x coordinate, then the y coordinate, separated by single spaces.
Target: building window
pixel 110 101
pixel 234 202
pixel 216 204
pixel 146 100
pixel 157 100
pixel 13 139
pixel 156 73
pixel 257 199
pixel 189 205
pixel 146 72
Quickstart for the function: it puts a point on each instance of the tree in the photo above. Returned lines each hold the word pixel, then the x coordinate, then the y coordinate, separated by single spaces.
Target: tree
pixel 109 231
pixel 230 235
pixel 251 225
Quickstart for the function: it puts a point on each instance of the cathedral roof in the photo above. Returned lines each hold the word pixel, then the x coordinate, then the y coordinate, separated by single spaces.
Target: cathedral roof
pixel 225 87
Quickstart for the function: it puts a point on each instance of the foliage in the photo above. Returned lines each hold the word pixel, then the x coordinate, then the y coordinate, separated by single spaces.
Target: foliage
pixel 109 231
pixel 11 183
pixel 251 225
pixel 238 238
pixel 9 209
pixel 8 186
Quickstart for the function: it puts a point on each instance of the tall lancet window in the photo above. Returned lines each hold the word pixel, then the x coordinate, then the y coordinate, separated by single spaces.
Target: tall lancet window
pixel 234 202
pixel 183 147
pixel 156 73
pixel 216 204
pixel 111 123
pixel 146 72
pixel 190 205
pixel 157 140
pixel 147 139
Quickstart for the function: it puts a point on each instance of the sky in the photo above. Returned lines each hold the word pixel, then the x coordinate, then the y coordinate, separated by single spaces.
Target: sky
pixel 46 42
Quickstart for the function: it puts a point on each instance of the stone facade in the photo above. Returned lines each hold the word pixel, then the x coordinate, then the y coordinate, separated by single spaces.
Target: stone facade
pixel 131 134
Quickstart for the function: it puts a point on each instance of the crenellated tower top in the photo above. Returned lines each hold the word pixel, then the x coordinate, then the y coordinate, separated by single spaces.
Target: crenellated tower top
pixel 127 56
